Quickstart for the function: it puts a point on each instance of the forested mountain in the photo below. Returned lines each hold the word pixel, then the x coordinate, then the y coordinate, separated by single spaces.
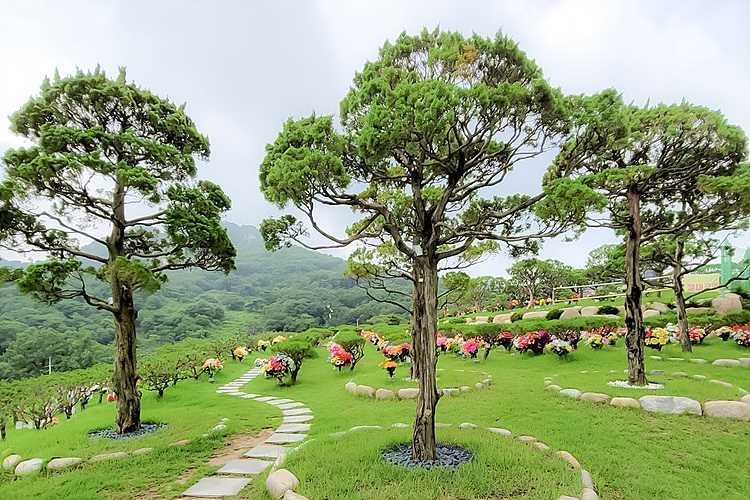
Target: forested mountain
pixel 292 289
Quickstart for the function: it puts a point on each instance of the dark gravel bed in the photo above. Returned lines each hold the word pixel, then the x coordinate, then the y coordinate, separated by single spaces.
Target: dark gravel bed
pixel 111 434
pixel 448 457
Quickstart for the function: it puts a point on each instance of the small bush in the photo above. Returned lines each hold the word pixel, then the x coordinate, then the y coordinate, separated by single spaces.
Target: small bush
pixel 554 314
pixel 296 349
pixel 516 316
pixel 608 310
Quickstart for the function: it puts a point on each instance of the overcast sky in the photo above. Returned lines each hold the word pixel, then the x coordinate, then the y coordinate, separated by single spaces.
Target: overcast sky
pixel 244 67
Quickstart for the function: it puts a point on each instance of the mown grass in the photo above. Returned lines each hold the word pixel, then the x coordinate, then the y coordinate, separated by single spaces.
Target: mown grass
pixel 189 410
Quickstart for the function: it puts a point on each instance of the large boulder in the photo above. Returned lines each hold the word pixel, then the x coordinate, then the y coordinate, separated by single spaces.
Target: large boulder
pixel 670 404
pixel 657 306
pixel 502 319
pixel 11 461
pixel 729 303
pixel 589 310
pixel 535 315
pixel 727 409
pixel 570 312
pixel 281 481
pixel 650 313
pixel 571 393
pixel 29 466
pixel 351 387
pixel 729 363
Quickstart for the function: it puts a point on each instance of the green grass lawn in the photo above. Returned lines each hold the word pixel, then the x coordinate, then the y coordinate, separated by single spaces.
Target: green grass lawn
pixel 631 454
pixel 189 410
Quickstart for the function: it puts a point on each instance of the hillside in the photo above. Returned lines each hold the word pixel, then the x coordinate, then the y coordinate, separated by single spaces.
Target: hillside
pixel 290 290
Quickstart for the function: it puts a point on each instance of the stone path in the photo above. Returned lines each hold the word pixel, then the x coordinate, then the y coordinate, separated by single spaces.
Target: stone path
pixel 236 474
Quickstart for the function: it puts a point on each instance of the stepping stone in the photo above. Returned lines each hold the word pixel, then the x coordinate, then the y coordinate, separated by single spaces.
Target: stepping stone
pixel 727 362
pixel 296 411
pixel 720 382
pixel 441 425
pixel 267 451
pixel 364 428
pixel 236 393
pixel 293 428
pixel 399 425
pixel 287 406
pixel 246 466
pixel 467 425
pixel 284 437
pixel 108 456
pixel 699 361
pixel 281 401
pixel 294 419
pixel 675 359
pixel 217 487
pixel 249 396
pixel 266 398
pixel 143 451
pixel 502 432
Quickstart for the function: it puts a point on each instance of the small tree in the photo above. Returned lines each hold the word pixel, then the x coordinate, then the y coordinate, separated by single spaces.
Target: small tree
pixel 428 131
pixel 157 374
pixel 532 276
pixel 102 149
pixel 353 344
pixel 642 162
pixel 298 350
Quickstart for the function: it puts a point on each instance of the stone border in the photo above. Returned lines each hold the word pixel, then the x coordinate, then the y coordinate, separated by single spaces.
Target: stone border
pixel 383 393
pixel 587 484
pixel 677 405
pixel 723 362
pixel 236 474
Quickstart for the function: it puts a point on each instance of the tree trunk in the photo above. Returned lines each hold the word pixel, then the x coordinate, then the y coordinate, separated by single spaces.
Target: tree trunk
pixel 2 430
pixel 531 297
pixel 413 327
pixel 161 393
pixel 679 295
pixel 124 378
pixel 424 446
pixel 633 313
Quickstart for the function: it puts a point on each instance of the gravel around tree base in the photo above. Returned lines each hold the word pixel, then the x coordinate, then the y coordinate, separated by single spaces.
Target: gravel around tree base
pixel 112 434
pixel 448 457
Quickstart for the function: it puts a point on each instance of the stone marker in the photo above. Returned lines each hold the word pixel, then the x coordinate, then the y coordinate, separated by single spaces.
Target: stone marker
pixel 671 404
pixel 534 314
pixel 727 409
pixel 217 487
pixel 467 425
pixel 502 432
pixel 366 390
pixel 698 361
pixel 589 310
pixel 720 382
pixel 526 439
pixel 29 466
pixel 595 397
pixel 729 363
pixel 625 402
pixel 108 456
pixel 267 451
pixel 409 393
pixel 142 451
pixel 63 463
pixel 11 461
pixel 280 481
pixel 244 466
pixel 351 387
pixel 385 394
pixel 571 393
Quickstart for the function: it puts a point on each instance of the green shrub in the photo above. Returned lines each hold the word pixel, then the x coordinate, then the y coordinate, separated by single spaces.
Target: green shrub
pixel 352 343
pixel 298 350
pixel 554 314
pixel 608 310
pixel 516 316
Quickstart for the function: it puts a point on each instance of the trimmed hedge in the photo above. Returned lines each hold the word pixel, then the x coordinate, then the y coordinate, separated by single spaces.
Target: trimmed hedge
pixel 554 314
pixel 608 310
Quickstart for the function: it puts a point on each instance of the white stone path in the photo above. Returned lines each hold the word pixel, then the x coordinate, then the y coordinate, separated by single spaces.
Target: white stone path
pixel 236 474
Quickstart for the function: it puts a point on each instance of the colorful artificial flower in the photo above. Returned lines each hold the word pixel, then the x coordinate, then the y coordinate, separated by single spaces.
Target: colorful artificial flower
pixel 278 366
pixel 595 341
pixel 572 337
pixel 532 341
pixel 724 332
pixel 560 347
pixel 742 336
pixel 505 339
pixel 111 397
pixel 696 335
pixel 390 367
pixel 263 345
pixel 240 352
pixel 278 339
pixel 470 348
pixel 441 341
pixel 656 338
pixel 211 366
pixel 339 357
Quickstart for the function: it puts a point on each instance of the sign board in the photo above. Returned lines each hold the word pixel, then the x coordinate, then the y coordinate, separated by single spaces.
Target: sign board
pixel 697 282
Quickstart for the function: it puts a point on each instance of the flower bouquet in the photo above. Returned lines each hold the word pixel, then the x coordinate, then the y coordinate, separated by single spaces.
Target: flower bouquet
pixel 696 335
pixel 371 337
pixel 454 344
pixel 441 341
pixel 405 352
pixel 240 352
pixel 560 347
pixel 278 339
pixel 724 332
pixel 278 366
pixel 470 348
pixel 540 340
pixel 572 337
pixel 611 338
pixel 339 357
pixel 211 366
pixel 505 339
pixel 742 336
pixel 595 341
pixel 656 338
pixel 390 367
pixel 262 345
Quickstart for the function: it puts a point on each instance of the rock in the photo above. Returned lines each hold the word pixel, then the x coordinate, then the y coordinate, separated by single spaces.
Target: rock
pixel 291 495
pixel 656 372
pixel 351 387
pixel 729 363
pixel 215 428
pixel 745 399
pixel 281 481
pixel 553 387
pixel 535 314
pixel 481 320
pixel 595 397
pixel 720 382
pixel 745 362
pixel 571 393
pixel 570 312
pixel 502 432
pixel 501 319
pixel 366 390
pixel 29 466
pixel 675 359
pixel 589 311
pixel 657 358
pixel 699 377
pixel 727 409
pixel 625 403
pixel 385 394
pixel 410 393
pixel 450 391
pixel 650 313
pixel 589 494
pixel 365 428
pixel 657 306
pixel 11 461
pixel 541 446
pixel 680 374
pixel 400 425
pixel 479 386
pixel 569 458
pixel 108 456
pixel 698 361
pixel 487 381
pixel 729 303
pixel 670 404
pixel 143 451
pixel 467 425
pixel 527 439
pixel 698 310
pixel 63 463
pixel 184 442
pixel 464 388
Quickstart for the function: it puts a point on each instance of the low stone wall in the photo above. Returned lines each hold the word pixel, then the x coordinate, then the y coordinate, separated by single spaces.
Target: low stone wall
pixel 385 394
